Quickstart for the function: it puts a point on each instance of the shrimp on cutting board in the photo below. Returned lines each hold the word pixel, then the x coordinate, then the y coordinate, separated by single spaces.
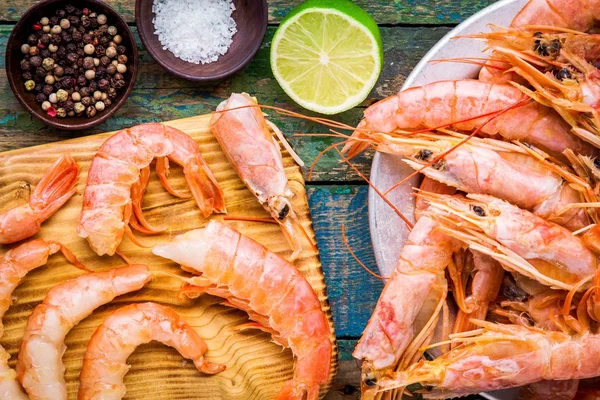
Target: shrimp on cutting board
pixel 271 290
pixel 54 189
pixel 39 366
pixel 15 264
pixel 105 360
pixel 245 137
pixel 119 174
pixel 466 105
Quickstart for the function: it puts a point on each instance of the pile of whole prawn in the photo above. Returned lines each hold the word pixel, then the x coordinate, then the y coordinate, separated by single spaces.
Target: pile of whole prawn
pixel 222 261
pixel 498 284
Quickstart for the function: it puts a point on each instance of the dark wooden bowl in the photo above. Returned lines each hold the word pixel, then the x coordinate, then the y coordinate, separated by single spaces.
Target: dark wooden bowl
pixel 251 18
pixel 18 36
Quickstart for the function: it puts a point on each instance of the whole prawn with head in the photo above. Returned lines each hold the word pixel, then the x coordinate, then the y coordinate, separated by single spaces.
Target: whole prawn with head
pixel 244 135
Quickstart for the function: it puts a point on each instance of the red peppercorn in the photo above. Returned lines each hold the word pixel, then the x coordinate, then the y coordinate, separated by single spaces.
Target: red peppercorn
pixel 41 45
pixel 37 26
pixel 51 111
pixel 86 11
pixel 95 41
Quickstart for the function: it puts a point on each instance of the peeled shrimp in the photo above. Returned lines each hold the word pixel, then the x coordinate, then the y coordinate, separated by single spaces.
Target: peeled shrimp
pixel 105 361
pixel 518 239
pixel 40 368
pixel 468 105
pixel 119 174
pixel 15 264
pixel 56 187
pixel 501 356
pixel 578 15
pixel 273 292
pixel 254 153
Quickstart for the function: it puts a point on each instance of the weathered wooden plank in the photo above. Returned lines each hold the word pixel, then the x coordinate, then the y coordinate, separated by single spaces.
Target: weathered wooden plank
pixel 352 291
pixel 384 11
pixel 158 96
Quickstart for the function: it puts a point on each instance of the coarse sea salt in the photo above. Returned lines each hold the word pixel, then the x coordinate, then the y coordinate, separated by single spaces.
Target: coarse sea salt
pixel 196 31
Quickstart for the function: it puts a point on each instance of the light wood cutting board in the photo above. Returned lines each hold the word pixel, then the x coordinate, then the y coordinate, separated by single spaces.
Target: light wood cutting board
pixel 256 367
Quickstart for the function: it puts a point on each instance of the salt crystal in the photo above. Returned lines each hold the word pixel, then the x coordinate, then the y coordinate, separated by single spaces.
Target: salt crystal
pixel 196 31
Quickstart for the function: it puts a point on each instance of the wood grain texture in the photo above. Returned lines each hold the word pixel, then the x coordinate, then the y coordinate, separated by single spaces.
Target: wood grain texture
pixel 158 96
pixel 257 368
pixel 384 11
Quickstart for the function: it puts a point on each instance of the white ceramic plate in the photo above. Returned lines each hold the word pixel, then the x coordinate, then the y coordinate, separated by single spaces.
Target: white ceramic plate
pixel 388 231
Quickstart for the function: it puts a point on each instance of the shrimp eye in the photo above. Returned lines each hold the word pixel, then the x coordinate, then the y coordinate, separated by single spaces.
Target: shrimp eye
pixel 597 163
pixel 424 155
pixel 562 74
pixel 478 210
pixel 370 382
pixel 439 165
pixel 554 47
pixel 540 48
pixel 284 212
pixel 538 34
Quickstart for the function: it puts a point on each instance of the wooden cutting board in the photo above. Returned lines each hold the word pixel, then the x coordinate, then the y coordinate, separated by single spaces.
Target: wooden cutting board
pixel 256 367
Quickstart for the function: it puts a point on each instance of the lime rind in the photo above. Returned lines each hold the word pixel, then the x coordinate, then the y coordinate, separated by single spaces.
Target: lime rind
pixel 344 72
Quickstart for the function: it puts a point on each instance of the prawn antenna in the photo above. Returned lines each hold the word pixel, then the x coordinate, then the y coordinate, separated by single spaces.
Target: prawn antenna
pixel 347 244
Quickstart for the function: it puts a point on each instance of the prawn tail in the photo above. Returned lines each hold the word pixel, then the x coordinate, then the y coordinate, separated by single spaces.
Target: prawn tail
pixel 71 258
pixel 138 222
pixel 207 367
pixel 56 187
pixel 357 143
pixel 204 187
pixel 162 170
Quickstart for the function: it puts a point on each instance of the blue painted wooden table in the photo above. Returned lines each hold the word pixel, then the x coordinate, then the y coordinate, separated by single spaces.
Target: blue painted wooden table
pixel 336 194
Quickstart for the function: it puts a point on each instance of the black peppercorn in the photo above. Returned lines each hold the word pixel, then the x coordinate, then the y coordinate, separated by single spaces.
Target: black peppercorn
pixel 93 86
pixel 79 62
pixel 68 83
pixel 40 72
pixel 57 86
pixel 118 76
pixel 69 8
pixel 40 98
pixel 100 50
pixel 104 40
pixel 104 61
pixel 27 76
pixel 86 101
pixel 69 71
pixel 71 47
pixel 32 40
pixel 69 105
pixel 47 90
pixel 102 29
pixel 111 69
pixel 80 52
pixel 112 93
pixel 100 72
pixel 77 11
pixel 61 13
pixel 93 22
pixel 72 57
pixel 66 37
pixel 35 61
pixel 46 53
pixel 73 20
pixel 38 87
pixel 81 80
pixel 53 20
pixel 58 71
pixel 103 84
pixel 39 34
pixel 107 102
pixel 118 83
pixel 45 39
pixel 77 36
pixel 84 91
pixel 121 49
pixel 55 39
pixel 85 22
pixel 25 65
pixel 88 63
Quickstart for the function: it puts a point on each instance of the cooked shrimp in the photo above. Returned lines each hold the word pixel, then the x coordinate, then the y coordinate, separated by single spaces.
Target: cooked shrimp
pixel 56 187
pixel 15 264
pixel 254 153
pixel 273 292
pixel 518 239
pixel 105 360
pixel 467 105
pixel 488 166
pixel 39 367
pixel 118 176
pixel 578 15
pixel 501 356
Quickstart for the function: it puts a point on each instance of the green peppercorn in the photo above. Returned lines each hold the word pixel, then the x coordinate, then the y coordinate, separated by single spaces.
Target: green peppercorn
pixel 61 112
pixel 48 64
pixel 79 108
pixel 29 85
pixel 62 95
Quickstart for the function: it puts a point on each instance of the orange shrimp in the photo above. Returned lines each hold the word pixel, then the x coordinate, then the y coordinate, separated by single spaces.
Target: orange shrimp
pixel 518 239
pixel 39 367
pixel 15 264
pixel 105 360
pixel 56 187
pixel 578 15
pixel 498 356
pixel 245 137
pixel 467 105
pixel 118 176
pixel 270 289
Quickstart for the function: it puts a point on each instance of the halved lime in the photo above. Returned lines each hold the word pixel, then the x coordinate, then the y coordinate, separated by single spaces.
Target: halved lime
pixel 327 55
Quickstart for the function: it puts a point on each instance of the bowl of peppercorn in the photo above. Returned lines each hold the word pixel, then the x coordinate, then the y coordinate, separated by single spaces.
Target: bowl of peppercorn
pixel 71 64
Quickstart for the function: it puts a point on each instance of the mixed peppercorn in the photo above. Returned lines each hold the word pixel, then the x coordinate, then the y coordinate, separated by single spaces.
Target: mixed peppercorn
pixel 74 62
